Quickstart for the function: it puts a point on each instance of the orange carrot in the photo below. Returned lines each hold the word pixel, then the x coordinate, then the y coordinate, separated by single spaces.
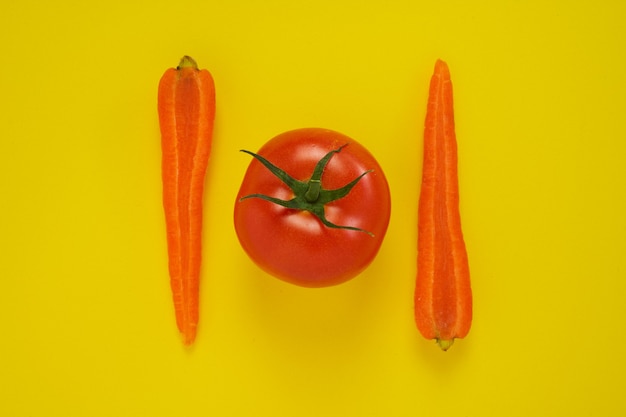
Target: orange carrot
pixel 443 297
pixel 186 104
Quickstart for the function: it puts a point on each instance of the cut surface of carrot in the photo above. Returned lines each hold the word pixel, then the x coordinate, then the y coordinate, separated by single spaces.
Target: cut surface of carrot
pixel 186 108
pixel 443 296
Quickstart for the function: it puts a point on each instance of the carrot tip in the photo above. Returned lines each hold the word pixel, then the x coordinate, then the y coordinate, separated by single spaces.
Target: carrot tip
pixel 188 338
pixel 445 344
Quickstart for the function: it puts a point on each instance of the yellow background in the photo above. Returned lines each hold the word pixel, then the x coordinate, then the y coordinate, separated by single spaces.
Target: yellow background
pixel 85 307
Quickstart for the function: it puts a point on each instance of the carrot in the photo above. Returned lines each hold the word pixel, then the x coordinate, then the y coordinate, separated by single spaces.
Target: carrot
pixel 443 297
pixel 186 106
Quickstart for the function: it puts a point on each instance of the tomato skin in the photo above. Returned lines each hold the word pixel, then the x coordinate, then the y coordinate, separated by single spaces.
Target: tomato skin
pixel 294 245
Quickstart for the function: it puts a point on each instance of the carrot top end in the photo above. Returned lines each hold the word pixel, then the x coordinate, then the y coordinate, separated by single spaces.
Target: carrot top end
pixel 445 344
pixel 187 62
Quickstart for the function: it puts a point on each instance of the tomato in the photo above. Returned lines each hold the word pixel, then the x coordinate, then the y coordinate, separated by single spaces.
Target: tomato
pixel 313 207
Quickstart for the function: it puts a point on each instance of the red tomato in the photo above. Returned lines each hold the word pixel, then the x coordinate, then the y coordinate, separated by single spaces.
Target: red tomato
pixel 288 236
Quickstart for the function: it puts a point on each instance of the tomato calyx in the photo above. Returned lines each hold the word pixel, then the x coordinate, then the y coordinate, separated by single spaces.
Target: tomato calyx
pixel 309 195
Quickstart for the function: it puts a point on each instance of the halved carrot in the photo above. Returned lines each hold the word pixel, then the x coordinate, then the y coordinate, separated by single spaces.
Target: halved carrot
pixel 443 297
pixel 186 106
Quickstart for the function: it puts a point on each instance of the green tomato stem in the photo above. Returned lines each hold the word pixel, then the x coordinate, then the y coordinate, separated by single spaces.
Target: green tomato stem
pixel 313 193
pixel 309 195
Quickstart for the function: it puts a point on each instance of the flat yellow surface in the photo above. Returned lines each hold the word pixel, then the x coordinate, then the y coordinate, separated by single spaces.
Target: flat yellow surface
pixel 86 317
